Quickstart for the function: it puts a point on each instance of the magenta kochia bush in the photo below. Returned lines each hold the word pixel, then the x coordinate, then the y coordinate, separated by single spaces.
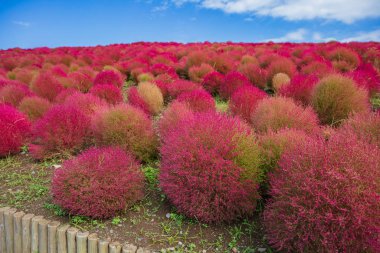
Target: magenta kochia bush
pixel 14 129
pixel 325 198
pixel 210 168
pixel 174 113
pixel 46 85
pixel 128 127
pixel 109 77
pixel 62 129
pixel 198 100
pixel 212 81
pixel 98 183
pixel 232 82
pixel 300 88
pixel 244 100
pixel 108 92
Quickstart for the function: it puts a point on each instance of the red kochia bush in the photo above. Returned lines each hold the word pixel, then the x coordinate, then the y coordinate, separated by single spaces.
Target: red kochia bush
pixel 212 81
pixel 256 75
pixel 275 113
pixel 179 86
pixel 232 82
pixel 109 77
pixel 300 88
pixel 108 92
pixel 209 168
pixel 244 100
pixel 366 126
pixel 86 103
pixel 14 128
pixel 46 85
pixel 62 129
pixel 174 113
pixel 98 183
pixel 325 198
pixel 198 100
pixel 128 127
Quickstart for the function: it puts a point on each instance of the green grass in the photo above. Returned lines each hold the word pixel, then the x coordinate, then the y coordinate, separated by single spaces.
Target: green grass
pixel 221 105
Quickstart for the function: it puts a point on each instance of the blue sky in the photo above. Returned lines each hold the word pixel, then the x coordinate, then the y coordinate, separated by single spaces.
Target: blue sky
pixel 53 23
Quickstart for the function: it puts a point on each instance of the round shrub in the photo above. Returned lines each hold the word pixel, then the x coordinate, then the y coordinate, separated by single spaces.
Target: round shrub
pixel 367 77
pixel 300 88
pixel 136 100
pixel 180 86
pixel 197 73
pixel 109 77
pixel 335 97
pixel 174 113
pixel 12 94
pixel 80 80
pixel 281 65
pixel 233 80
pixel 344 59
pixel 274 144
pixel 198 100
pixel 276 113
pixel 128 127
pixel 244 100
pixel 325 198
pixel 63 129
pixel 365 126
pixel 280 80
pixel 98 183
pixel 108 92
pixel 14 129
pixel 212 81
pixel 46 85
pixel 86 103
pixel 210 168
pixel 318 68
pixel 152 96
pixel 256 75
pixel 34 107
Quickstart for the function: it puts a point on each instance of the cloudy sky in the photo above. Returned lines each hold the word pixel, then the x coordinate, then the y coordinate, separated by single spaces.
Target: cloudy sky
pixel 26 23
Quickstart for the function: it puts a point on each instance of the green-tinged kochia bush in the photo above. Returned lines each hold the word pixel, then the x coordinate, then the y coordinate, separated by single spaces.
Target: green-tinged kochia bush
pixel 335 97
pixel 128 127
pixel 275 113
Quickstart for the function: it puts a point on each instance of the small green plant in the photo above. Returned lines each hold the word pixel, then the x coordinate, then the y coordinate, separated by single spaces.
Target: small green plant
pixel 55 208
pixel 177 218
pixel 221 105
pixel 116 221
pixel 151 174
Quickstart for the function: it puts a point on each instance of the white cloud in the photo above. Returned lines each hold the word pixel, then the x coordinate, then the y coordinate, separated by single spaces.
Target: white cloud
pixel 21 23
pixel 347 11
pixel 295 36
pixel 365 36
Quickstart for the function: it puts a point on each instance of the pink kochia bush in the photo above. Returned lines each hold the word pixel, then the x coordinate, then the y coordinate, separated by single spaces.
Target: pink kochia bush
pixel 198 100
pixel 109 77
pixel 14 129
pixel 108 92
pixel 46 85
pixel 212 81
pixel 232 82
pixel 127 127
pixel 98 183
pixel 13 94
pixel 174 113
pixel 300 88
pixel 62 129
pixel 325 198
pixel 244 100
pixel 275 113
pixel 210 168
